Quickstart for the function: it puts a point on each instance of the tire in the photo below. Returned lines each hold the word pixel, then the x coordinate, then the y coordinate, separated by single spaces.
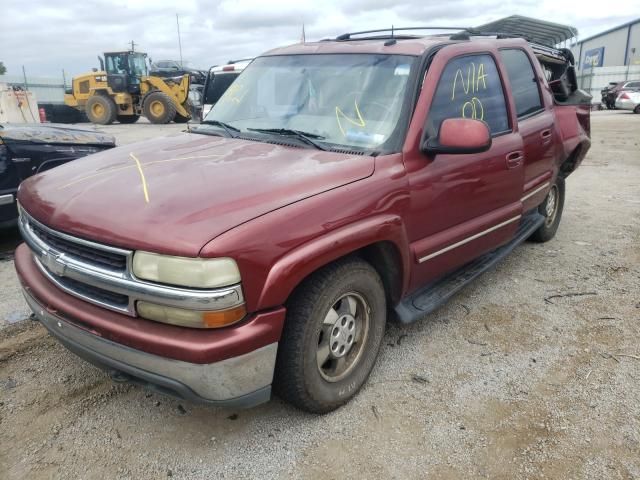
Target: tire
pixel 345 297
pixel 101 110
pixel 637 109
pixel 158 108
pixel 128 118
pixel 552 215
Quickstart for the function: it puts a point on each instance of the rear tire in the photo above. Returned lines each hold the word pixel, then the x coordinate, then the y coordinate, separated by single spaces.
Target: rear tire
pixel 159 108
pixel 128 118
pixel 551 208
pixel 101 109
pixel 335 324
pixel 637 109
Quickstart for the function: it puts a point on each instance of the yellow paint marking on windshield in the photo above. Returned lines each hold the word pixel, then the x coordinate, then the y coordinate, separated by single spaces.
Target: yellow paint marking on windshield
pixel 339 113
pixel 142 179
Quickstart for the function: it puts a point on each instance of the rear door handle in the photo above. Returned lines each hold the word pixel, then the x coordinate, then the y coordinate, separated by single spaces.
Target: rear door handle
pixel 546 136
pixel 514 159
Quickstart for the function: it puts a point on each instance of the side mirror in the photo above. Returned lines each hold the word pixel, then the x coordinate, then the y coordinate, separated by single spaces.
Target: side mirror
pixel 459 135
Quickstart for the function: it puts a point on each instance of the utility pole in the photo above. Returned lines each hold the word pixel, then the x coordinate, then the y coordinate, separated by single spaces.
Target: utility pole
pixel 179 41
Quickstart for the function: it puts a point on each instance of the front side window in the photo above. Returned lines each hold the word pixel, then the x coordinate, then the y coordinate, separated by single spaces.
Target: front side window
pixel 524 84
pixel 350 100
pixel 469 87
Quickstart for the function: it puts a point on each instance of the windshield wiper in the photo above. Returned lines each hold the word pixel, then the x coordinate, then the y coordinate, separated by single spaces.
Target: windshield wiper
pixel 306 137
pixel 230 129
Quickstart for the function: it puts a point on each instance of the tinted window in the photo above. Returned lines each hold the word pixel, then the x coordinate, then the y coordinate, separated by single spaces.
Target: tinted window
pixel 469 87
pixel 217 85
pixel 524 86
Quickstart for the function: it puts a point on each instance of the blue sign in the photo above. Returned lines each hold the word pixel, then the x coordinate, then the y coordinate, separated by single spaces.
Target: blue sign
pixel 593 57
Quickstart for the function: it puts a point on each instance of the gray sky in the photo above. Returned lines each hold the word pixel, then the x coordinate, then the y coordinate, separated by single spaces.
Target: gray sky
pixel 48 35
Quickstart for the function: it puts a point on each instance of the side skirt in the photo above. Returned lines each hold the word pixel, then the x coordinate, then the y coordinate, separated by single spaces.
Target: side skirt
pixel 428 298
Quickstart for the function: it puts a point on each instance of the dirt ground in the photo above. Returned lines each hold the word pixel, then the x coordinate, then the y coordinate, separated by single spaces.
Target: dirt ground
pixel 499 383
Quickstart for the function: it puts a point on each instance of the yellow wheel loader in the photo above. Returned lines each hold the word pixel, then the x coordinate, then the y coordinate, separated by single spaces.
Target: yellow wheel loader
pixel 123 91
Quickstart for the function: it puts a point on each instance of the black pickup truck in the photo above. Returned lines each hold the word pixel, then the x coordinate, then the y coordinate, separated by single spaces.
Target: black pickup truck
pixel 27 149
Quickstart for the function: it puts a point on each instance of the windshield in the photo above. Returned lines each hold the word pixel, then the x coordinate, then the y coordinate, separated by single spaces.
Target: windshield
pixel 344 99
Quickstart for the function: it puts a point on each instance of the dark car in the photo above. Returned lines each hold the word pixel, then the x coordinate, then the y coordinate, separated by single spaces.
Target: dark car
pixel 173 68
pixel 27 149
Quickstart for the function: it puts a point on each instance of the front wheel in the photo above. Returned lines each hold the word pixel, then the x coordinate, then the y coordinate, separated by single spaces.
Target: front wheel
pixel 159 108
pixel 551 208
pixel 332 335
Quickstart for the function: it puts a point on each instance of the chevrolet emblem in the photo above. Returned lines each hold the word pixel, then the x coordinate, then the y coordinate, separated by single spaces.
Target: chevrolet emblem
pixel 54 263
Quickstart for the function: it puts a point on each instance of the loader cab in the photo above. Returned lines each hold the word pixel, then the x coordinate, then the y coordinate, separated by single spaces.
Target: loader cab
pixel 124 70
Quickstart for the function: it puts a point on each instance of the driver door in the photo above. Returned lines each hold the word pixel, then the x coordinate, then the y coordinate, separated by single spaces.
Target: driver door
pixel 464 205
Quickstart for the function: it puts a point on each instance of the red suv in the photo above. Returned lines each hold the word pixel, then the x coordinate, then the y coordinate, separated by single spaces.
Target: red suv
pixel 336 186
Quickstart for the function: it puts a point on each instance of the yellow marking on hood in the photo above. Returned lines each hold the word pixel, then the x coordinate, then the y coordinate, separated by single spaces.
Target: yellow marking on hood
pixel 125 167
pixel 142 179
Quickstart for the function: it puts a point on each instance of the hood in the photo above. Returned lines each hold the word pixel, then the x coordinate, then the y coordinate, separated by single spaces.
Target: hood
pixel 52 133
pixel 172 195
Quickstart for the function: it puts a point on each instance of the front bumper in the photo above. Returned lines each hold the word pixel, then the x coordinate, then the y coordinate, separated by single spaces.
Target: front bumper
pixel 240 381
pixel 231 366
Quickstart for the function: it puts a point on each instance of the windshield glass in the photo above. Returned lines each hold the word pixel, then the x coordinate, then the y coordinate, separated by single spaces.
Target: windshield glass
pixel 346 99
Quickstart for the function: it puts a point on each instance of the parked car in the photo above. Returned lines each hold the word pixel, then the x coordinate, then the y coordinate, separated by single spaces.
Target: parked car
pixel 629 100
pixel 610 93
pixel 173 68
pixel 28 149
pixel 219 78
pixel 338 185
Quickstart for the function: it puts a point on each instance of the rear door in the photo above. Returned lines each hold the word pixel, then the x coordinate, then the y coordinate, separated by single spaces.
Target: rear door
pixel 463 205
pixel 535 123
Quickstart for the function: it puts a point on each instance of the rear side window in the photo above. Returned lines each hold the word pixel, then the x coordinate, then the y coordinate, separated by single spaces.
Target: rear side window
pixel 217 85
pixel 524 85
pixel 469 87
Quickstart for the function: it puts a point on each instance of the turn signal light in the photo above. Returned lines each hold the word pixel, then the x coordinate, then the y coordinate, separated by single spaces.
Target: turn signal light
pixel 190 318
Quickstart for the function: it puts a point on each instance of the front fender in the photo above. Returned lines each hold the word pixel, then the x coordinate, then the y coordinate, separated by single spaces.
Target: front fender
pixel 291 269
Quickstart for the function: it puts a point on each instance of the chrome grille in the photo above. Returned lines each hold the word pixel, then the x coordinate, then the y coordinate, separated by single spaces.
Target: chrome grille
pixel 102 275
pixel 84 252
pixel 89 291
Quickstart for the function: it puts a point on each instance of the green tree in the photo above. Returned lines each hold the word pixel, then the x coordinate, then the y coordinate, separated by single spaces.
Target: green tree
pixel 3 69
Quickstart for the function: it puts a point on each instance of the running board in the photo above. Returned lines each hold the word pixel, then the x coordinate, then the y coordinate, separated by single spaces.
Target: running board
pixel 428 298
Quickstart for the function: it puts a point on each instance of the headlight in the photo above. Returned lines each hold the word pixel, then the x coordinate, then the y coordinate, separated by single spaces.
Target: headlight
pixel 186 272
pixel 190 318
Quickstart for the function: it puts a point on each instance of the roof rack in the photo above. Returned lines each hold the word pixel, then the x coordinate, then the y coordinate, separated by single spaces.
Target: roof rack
pixel 538 31
pixel 348 36
pixel 543 33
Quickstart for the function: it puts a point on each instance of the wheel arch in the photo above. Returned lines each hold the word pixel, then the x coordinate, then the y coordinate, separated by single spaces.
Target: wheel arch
pixel 381 241
pixel 574 159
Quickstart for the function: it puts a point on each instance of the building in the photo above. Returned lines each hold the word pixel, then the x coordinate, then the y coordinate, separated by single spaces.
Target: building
pixel 610 56
pixel 617 47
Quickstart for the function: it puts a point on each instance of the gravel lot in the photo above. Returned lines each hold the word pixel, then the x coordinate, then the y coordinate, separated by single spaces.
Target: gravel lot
pixel 499 383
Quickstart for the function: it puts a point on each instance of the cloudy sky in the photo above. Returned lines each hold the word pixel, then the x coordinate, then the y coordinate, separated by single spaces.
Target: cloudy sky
pixel 47 36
